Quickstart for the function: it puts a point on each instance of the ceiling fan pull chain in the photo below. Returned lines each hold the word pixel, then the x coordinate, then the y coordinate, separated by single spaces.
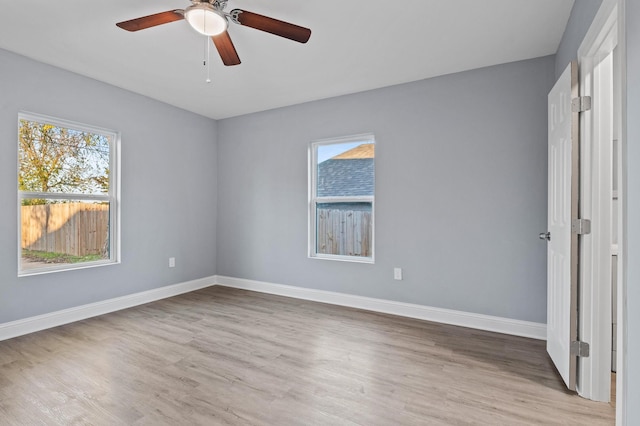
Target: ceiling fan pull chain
pixel 204 52
pixel 208 60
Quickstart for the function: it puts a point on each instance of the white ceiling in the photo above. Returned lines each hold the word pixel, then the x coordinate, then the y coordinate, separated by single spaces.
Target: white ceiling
pixel 355 45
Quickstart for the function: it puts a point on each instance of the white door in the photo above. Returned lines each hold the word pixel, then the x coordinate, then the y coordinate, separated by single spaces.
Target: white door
pixel 562 248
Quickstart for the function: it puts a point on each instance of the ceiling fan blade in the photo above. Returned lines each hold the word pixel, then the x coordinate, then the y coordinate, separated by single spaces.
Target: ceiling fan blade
pixel 226 49
pixel 270 25
pixel 152 20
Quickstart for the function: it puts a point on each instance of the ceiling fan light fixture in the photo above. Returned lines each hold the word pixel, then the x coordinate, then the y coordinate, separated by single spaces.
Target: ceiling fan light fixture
pixel 205 19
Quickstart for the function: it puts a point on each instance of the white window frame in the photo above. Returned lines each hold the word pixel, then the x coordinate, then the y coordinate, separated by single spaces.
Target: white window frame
pixel 113 197
pixel 314 199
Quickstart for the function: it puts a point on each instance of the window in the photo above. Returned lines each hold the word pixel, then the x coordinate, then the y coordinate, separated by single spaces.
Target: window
pixel 341 198
pixel 67 195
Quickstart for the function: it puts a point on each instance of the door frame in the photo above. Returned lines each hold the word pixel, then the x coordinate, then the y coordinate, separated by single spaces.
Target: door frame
pixel 605 34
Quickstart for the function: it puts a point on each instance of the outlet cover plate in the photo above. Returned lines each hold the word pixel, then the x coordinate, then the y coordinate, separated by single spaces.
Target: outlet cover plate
pixel 397 273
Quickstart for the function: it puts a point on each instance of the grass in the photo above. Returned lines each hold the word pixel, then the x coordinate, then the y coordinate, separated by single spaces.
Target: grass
pixel 52 257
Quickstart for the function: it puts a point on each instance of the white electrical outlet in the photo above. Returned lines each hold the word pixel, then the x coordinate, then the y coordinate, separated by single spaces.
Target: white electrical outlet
pixel 172 262
pixel 397 273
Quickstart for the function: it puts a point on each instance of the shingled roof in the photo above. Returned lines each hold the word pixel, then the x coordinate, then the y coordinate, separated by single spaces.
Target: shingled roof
pixel 348 174
pixel 366 150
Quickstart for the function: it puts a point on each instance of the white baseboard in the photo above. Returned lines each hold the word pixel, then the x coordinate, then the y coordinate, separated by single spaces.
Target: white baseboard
pixel 54 319
pixel 446 316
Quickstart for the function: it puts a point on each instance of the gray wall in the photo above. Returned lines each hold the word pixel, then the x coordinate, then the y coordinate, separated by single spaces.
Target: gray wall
pixel 633 211
pixel 579 22
pixel 168 189
pixel 460 191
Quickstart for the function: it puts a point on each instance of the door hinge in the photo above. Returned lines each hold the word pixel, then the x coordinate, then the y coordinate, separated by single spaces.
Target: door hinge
pixel 581 226
pixel 581 103
pixel 579 349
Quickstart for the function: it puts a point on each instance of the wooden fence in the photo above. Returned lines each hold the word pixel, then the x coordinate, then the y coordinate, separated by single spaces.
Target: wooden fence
pixel 78 229
pixel 344 232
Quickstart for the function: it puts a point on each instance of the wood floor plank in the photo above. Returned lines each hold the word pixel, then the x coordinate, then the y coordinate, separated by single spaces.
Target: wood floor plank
pixel 222 356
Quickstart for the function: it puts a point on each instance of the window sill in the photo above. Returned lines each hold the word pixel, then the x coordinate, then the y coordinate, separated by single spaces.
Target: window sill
pixel 353 259
pixel 63 268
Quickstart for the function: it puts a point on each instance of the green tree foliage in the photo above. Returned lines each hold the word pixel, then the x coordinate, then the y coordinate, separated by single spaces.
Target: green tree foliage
pixel 60 160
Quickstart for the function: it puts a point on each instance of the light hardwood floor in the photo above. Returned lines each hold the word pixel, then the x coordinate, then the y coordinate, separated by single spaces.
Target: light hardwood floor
pixel 224 356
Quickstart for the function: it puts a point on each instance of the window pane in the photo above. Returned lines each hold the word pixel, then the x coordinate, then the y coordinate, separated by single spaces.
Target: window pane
pixel 344 229
pixel 345 169
pixel 62 160
pixel 63 232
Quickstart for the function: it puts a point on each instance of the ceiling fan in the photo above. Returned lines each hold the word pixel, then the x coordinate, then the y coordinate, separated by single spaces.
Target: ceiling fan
pixel 209 18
